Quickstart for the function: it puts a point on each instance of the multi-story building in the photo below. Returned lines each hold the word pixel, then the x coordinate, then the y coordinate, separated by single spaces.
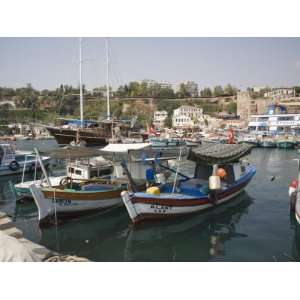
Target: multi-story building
pixel 159 118
pixel 187 116
pixel 151 83
pixel 280 93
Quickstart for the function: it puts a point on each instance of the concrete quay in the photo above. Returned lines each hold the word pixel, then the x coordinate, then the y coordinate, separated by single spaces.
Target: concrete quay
pixel 14 247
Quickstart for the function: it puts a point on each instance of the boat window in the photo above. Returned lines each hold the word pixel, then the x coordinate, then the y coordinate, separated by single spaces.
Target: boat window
pixel 78 172
pixel 286 118
pixel 71 170
pixel 263 118
pixel 230 173
pixel 203 171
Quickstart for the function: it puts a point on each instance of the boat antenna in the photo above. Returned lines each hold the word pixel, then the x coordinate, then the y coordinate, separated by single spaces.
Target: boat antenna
pixel 107 78
pixel 80 83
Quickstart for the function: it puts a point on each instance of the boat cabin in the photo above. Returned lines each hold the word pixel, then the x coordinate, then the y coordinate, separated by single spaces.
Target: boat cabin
pixel 88 169
pixel 225 156
pixel 138 157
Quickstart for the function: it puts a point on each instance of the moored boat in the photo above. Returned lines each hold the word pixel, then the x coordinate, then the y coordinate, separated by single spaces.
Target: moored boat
pixel 205 190
pixel 266 142
pixel 14 161
pixel 72 198
pixel 249 140
pixel 76 171
pixel 285 144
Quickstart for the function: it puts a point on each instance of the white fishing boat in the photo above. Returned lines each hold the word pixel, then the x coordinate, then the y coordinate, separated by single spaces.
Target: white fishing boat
pixel 14 161
pixel 71 197
pixel 76 171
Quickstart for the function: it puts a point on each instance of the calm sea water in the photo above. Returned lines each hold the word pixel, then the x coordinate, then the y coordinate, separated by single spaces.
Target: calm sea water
pixel 257 226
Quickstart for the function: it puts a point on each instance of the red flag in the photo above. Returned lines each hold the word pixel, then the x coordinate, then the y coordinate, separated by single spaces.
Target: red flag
pixel 230 136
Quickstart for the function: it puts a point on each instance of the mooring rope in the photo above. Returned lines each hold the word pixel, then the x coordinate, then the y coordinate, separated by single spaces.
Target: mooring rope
pixel 55 222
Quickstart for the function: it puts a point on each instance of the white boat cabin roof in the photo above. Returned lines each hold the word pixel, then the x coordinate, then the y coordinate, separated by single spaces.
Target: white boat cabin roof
pixel 124 148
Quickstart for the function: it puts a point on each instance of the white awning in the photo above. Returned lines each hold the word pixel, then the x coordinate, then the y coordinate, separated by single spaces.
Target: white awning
pixel 124 148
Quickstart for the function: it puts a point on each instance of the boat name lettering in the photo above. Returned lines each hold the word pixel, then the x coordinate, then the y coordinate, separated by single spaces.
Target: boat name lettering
pixel 63 202
pixel 160 208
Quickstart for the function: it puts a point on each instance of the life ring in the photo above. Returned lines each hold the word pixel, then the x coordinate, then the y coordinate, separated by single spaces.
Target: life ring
pixel 14 166
pixel 65 181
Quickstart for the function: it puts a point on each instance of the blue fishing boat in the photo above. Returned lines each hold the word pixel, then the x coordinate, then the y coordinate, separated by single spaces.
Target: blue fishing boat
pixel 219 176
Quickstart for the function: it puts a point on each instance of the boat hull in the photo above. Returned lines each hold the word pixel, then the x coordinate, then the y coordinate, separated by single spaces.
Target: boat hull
pixel 268 144
pixel 142 206
pixel 285 145
pixel 6 171
pixel 297 205
pixel 70 203
pixel 252 143
pixel 22 189
pixel 66 136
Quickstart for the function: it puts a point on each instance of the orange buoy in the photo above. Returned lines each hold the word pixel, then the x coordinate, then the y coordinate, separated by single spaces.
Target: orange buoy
pixel 221 173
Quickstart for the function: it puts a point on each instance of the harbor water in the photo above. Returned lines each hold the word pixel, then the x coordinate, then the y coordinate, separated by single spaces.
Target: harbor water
pixel 257 226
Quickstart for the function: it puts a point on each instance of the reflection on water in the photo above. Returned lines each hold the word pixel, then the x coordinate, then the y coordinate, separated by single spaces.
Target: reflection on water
pixel 195 238
pixel 110 236
pixel 255 227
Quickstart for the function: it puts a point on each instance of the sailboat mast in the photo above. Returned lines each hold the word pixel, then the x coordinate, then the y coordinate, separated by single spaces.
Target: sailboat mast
pixel 107 79
pixel 80 83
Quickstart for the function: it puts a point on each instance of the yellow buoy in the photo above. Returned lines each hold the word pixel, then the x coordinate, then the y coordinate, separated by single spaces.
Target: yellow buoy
pixel 153 190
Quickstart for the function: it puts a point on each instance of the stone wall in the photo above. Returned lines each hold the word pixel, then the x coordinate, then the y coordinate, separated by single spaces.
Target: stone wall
pixel 247 106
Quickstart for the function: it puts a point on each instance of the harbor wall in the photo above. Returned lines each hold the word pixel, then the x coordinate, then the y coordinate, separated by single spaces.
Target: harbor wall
pixel 14 247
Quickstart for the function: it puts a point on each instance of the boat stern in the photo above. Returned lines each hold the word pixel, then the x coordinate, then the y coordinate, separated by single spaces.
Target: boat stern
pixel 126 198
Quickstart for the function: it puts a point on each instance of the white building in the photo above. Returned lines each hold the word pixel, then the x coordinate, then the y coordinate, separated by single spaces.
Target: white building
pixel 258 89
pixel 280 93
pixel 152 83
pixel 187 116
pixel 159 118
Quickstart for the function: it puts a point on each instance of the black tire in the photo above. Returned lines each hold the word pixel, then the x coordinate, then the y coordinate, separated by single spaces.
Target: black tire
pixel 65 181
pixel 14 166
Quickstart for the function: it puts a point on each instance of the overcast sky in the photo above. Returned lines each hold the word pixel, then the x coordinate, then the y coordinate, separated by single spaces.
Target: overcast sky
pixel 243 62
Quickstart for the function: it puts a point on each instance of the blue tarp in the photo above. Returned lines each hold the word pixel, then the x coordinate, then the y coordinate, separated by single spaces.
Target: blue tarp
pixel 76 122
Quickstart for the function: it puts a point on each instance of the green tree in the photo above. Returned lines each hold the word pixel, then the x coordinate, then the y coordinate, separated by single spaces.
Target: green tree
pixel 183 92
pixel 206 92
pixel 133 89
pixel 230 90
pixel 232 108
pixel 218 91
